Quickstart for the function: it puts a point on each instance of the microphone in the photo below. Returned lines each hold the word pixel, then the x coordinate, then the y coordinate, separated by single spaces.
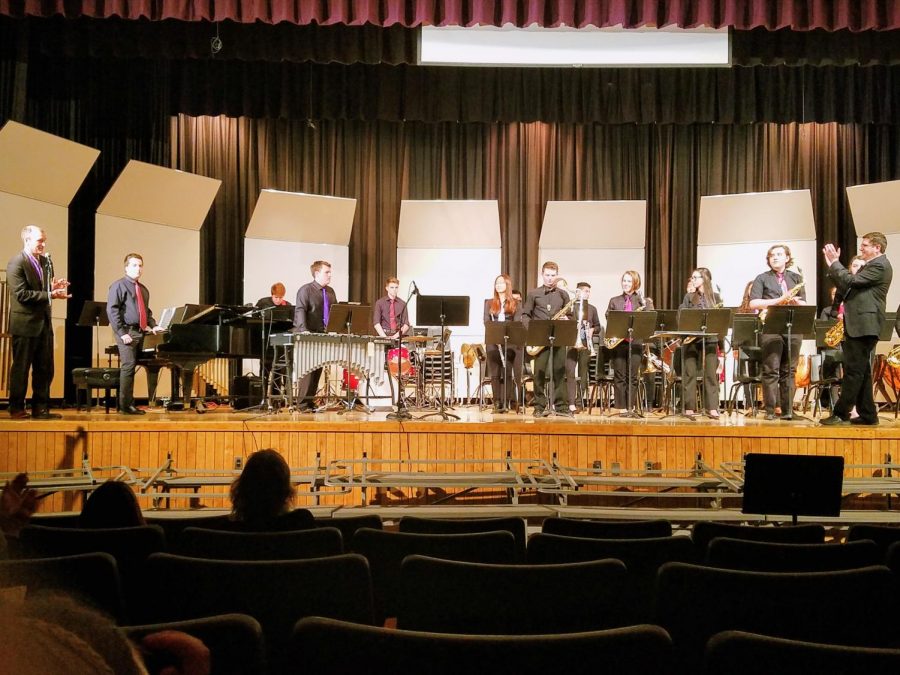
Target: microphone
pixel 49 273
pixel 415 288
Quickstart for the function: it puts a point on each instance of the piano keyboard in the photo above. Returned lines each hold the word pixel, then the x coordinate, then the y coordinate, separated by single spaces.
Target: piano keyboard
pixel 315 350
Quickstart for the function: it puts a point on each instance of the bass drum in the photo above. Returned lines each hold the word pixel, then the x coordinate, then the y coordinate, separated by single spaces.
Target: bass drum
pixel 399 363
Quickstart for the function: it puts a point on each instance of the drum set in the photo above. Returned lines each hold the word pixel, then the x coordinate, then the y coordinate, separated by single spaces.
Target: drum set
pixel 415 368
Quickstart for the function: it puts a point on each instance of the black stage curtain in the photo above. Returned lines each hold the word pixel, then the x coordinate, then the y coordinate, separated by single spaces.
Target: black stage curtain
pixel 855 15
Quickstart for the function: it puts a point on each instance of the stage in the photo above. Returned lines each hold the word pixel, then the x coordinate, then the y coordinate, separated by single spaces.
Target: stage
pixel 649 449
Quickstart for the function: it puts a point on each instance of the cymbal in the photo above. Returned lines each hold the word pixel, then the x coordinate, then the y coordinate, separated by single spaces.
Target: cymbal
pixel 417 338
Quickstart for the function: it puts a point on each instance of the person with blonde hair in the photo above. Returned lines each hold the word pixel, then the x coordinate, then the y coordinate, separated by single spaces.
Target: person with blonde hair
pixel 629 300
pixel 503 366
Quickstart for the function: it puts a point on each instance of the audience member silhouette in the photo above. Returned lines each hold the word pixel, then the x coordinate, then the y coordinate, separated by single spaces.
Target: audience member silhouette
pixel 113 504
pixel 261 496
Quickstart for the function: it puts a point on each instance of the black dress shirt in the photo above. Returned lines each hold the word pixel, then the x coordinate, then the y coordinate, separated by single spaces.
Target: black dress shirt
pixel 122 307
pixel 381 314
pixel 309 311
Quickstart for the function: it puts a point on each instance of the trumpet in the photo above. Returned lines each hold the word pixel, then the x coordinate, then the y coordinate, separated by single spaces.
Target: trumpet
pixel 583 341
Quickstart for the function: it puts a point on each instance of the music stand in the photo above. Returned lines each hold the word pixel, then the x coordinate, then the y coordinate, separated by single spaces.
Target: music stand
pixel 887 328
pixel 443 311
pixel 711 322
pixel 94 314
pixel 790 320
pixel 793 485
pixel 503 334
pixel 352 319
pixel 636 325
pixel 546 333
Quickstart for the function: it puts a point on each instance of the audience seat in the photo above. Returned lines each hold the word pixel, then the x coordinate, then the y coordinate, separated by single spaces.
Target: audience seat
pixel 328 647
pixel 223 545
pixel 348 525
pixel 763 556
pixel 235 641
pixel 704 532
pixel 92 578
pixel 448 596
pixel 514 525
pixel 385 552
pixel 607 529
pixel 694 603
pixel 739 653
pixel 882 535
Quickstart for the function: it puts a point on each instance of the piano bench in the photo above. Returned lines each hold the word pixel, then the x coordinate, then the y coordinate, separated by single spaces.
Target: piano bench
pixel 86 379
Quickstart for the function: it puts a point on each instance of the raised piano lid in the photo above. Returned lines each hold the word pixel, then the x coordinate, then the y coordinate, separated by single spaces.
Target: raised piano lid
pixel 210 314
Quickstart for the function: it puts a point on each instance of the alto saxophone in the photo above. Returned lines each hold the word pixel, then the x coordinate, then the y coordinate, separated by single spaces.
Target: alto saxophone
pixel 893 357
pixel 535 350
pixel 612 343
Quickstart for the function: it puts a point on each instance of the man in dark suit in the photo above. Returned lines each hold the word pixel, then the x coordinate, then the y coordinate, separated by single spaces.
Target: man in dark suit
pixel 311 312
pixel 864 295
pixel 32 287
pixel 543 303
pixel 130 317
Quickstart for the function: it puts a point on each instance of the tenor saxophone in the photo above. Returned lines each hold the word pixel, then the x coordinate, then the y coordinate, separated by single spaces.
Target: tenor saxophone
pixel 835 334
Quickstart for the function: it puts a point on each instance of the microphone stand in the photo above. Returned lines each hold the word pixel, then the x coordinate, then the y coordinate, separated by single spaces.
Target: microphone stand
pixel 402 411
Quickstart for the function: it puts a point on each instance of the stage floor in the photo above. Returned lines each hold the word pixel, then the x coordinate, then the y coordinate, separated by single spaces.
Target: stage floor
pixel 220 438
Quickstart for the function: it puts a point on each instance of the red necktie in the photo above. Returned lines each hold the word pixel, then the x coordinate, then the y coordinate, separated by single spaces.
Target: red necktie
pixel 393 318
pixel 142 310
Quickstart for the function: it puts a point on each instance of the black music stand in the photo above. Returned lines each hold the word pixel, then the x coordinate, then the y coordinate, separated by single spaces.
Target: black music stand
pixel 265 316
pixel 94 314
pixel 546 333
pixel 790 320
pixel 443 311
pixel 349 320
pixel 710 322
pixel 503 334
pixel 636 325
pixel 793 485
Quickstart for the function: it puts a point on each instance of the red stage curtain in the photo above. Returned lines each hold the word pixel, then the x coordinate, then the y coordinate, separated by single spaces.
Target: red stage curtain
pixel 799 15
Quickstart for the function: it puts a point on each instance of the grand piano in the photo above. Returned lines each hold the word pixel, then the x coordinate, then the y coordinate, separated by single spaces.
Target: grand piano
pixel 198 333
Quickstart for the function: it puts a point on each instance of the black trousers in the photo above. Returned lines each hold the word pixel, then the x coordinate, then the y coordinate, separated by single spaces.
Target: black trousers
pixel 513 374
pixel 692 368
pixel 127 364
pixel 856 387
pixel 34 354
pixel 777 372
pixel 542 376
pixel 619 361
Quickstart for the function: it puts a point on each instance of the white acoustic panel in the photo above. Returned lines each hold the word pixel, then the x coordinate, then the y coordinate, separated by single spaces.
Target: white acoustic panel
pixel 446 224
pixel 875 207
pixel 42 166
pixel 756 216
pixel 154 194
pixel 301 217
pixel 267 261
pixel 15 213
pixel 469 272
pixel 595 225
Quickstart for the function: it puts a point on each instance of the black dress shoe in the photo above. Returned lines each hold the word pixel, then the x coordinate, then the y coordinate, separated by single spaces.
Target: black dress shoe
pixel 770 416
pixel 860 421
pixel 18 414
pixel 131 410
pixel 787 418
pixel 834 421
pixel 45 415
pixel 538 412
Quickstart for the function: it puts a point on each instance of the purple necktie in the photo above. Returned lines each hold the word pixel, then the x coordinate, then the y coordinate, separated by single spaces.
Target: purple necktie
pixel 628 305
pixel 326 308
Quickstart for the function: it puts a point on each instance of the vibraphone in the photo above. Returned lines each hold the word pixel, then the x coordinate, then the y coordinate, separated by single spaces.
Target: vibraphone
pixel 316 350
